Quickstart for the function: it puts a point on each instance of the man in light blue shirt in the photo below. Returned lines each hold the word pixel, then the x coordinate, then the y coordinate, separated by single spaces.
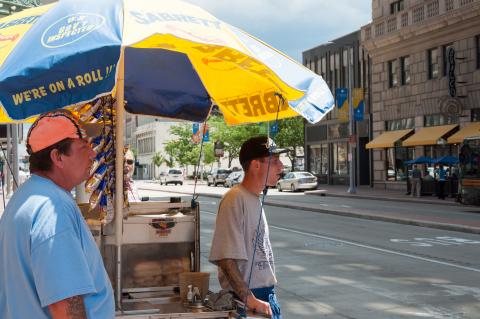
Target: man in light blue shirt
pixel 50 265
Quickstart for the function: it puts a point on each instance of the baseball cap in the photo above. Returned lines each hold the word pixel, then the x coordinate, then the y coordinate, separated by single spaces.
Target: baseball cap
pixel 258 147
pixel 53 126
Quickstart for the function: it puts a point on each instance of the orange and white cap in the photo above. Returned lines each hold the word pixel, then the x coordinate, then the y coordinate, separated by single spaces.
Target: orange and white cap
pixel 53 126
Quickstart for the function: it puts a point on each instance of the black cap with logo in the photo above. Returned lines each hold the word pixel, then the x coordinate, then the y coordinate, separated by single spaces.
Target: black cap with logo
pixel 258 147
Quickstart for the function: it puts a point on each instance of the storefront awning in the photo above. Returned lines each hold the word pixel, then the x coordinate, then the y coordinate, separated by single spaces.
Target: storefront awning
pixel 429 135
pixel 388 139
pixel 471 129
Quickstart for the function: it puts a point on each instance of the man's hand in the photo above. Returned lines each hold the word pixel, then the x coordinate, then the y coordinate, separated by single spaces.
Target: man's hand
pixel 230 269
pixel 258 306
pixel 70 308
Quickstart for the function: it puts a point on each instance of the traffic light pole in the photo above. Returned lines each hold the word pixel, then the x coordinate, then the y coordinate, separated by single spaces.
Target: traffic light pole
pixel 351 148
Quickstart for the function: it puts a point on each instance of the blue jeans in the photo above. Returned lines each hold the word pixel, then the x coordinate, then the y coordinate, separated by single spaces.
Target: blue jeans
pixel 267 294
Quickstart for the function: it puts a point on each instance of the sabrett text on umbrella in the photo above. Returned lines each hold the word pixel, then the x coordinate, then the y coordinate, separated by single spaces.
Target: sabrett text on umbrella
pixel 151 17
pixel 254 105
pixel 24 20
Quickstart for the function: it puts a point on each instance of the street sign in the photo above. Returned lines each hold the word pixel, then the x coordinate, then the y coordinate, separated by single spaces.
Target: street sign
pixel 218 149
pixel 199 130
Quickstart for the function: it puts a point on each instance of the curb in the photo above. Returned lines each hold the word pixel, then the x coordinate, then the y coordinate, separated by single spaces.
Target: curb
pixel 420 223
pixel 388 199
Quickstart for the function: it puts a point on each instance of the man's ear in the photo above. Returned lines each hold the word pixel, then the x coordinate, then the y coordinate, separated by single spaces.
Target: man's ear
pixel 56 158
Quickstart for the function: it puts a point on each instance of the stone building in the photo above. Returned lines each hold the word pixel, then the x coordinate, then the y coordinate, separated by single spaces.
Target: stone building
pixel 425 81
pixel 326 143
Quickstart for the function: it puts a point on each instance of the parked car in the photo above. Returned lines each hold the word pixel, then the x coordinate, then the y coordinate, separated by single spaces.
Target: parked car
pixel 294 181
pixel 218 176
pixel 172 176
pixel 234 178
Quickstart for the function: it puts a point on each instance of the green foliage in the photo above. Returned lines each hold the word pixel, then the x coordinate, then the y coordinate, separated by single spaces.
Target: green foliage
pixel 183 151
pixel 231 136
pixel 158 159
pixel 290 135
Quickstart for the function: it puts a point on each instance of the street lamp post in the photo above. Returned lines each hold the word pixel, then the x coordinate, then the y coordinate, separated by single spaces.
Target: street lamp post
pixel 351 148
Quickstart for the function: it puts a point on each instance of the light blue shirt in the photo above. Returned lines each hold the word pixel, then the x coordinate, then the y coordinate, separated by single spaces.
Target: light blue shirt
pixel 49 254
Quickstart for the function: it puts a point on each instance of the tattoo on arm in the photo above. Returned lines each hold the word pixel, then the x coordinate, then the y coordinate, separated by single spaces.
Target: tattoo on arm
pixel 76 308
pixel 230 269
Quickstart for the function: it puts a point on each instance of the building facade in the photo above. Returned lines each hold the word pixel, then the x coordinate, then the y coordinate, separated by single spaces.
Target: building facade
pixel 425 81
pixel 326 143
pixel 147 135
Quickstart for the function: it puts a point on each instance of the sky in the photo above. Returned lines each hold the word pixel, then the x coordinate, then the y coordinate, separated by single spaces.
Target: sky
pixel 292 26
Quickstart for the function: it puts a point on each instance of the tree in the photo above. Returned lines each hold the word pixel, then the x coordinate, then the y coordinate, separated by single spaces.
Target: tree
pixel 184 151
pixel 290 135
pixel 157 160
pixel 231 136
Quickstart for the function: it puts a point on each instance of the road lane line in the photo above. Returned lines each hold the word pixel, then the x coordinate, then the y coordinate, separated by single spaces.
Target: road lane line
pixel 370 247
pixel 376 249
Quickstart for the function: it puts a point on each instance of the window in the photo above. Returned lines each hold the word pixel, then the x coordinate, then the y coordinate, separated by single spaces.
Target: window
pixel 331 78
pixel 396 157
pixel 432 57
pixel 340 163
pixel 319 159
pixel 396 6
pixel 445 57
pixel 405 69
pixel 337 68
pixel 392 73
pixel 323 66
pixel 315 66
pixel 477 45
pixel 345 68
pixel 400 124
pixel 441 119
pixel 475 115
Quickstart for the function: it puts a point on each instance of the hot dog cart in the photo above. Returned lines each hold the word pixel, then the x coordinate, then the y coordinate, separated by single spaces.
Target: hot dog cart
pixel 151 250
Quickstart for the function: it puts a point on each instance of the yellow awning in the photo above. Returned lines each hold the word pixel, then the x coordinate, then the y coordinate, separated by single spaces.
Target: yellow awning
pixel 387 139
pixel 471 129
pixel 429 135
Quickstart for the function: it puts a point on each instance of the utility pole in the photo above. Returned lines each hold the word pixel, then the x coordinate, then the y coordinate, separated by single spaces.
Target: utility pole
pixel 352 188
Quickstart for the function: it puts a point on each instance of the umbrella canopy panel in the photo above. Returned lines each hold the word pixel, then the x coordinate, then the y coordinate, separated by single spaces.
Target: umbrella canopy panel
pixel 189 59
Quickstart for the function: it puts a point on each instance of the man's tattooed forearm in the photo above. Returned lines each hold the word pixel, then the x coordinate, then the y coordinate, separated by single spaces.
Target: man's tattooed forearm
pixel 230 269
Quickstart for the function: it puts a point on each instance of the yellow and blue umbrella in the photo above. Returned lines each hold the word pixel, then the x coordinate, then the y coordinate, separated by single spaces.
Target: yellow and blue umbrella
pixel 178 60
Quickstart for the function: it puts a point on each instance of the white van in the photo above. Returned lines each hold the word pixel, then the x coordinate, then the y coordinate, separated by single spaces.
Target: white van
pixel 172 176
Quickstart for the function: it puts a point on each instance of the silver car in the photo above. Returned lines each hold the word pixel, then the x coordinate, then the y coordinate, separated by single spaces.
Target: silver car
pixel 218 176
pixel 294 181
pixel 234 178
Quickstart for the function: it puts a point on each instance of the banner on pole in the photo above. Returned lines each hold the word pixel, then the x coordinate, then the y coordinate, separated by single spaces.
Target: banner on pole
pixel 341 98
pixel 358 104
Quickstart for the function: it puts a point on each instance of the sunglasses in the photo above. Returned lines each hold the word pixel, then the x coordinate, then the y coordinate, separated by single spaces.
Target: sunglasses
pixel 129 161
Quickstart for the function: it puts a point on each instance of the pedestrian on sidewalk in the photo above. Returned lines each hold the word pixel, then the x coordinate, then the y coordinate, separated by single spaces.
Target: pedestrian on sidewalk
pixel 241 245
pixel 441 179
pixel 416 181
pixel 51 266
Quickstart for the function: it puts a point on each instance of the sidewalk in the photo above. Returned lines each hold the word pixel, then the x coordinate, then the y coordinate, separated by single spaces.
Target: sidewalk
pixel 367 192
pixel 462 218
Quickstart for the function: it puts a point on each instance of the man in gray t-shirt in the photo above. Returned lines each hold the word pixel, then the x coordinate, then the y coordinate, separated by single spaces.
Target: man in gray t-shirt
pixel 236 241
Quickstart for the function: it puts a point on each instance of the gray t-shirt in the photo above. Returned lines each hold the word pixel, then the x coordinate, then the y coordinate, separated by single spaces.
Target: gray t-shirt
pixel 235 235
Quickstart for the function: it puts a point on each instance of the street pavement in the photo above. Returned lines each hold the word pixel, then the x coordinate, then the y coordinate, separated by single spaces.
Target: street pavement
pixel 426 211
pixel 402 208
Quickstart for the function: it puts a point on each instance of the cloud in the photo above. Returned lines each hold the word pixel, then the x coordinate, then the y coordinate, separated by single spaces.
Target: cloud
pixel 292 26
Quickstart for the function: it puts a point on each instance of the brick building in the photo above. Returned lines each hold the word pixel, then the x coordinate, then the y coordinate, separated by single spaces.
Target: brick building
pixel 425 81
pixel 326 143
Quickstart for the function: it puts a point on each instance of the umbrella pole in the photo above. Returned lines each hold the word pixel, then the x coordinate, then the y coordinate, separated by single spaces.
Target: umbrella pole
pixel 119 144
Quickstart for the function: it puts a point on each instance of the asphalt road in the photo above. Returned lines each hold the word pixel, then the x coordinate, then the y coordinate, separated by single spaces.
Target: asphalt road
pixel 338 267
